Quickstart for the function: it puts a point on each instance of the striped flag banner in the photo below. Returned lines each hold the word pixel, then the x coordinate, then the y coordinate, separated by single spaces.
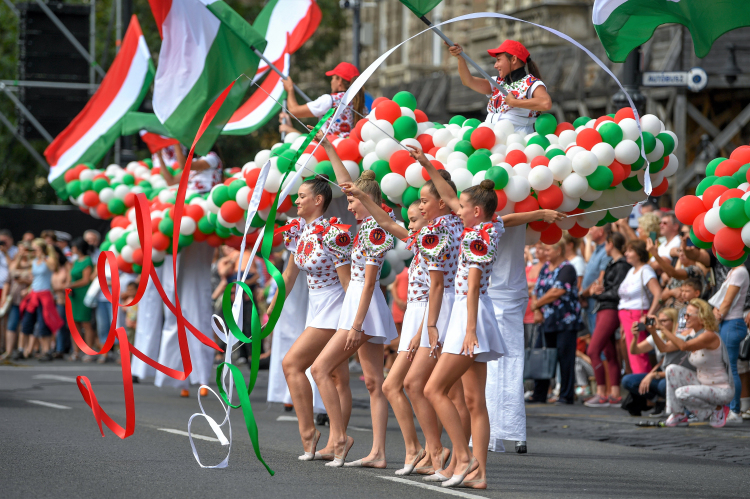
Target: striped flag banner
pixel 93 132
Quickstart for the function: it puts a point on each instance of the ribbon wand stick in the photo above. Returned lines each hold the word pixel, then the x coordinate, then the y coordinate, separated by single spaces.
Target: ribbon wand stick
pixel 278 71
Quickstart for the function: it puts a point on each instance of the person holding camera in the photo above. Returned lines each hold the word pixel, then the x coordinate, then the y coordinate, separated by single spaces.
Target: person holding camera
pixel 706 391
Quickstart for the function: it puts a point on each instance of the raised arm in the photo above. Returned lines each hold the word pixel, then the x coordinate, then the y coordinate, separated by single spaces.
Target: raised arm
pixel 380 216
pixel 444 189
pixel 666 266
pixel 707 339
pixel 467 79
pixel 299 110
pixel 342 174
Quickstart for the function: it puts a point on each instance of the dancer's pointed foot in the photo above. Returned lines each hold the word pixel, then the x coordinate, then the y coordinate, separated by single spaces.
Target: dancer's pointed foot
pixel 474 481
pixel 339 459
pixel 409 467
pixel 310 455
pixel 456 480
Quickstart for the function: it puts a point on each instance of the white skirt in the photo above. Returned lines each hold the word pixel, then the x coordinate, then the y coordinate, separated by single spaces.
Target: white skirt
pixel 446 307
pixel 413 316
pixel 491 344
pixel 378 322
pixel 324 307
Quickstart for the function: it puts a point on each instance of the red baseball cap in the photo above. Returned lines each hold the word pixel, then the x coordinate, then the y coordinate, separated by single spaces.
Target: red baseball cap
pixel 512 47
pixel 345 70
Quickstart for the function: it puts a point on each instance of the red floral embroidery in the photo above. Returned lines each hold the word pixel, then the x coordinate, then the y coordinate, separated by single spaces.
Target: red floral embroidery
pixel 377 236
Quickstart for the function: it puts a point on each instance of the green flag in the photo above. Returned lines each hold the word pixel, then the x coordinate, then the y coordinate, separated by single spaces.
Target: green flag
pixel 421 7
pixel 134 122
pixel 622 25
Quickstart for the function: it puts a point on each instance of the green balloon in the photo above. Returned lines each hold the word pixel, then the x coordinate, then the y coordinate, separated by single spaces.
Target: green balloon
pixel 486 152
pixel 325 168
pixel 220 195
pixel 465 147
pixel 732 263
pixel 205 226
pixel 116 206
pixel 128 179
pixel 122 241
pixel 601 179
pixel 545 124
pixel 705 184
pixel 137 268
pixel 381 169
pixel 284 163
pixel 668 142
pixel 457 120
pixel 73 188
pixel 145 184
pixel 499 175
pixel 234 187
pixel 632 184
pixel 410 195
pixel 235 231
pixel 554 152
pixel 148 162
pixel 405 215
pixel 405 127
pixel 649 142
pixel 86 185
pixel 741 174
pixel 747 207
pixel 405 99
pixel 729 182
pixel 732 213
pixel 539 139
pixel 438 125
pixel 711 166
pixel 386 269
pixel 166 226
pixel 584 204
pixel 581 121
pixel 698 243
pixel 472 122
pixel 223 232
pixel 467 134
pixel 184 241
pixel 639 163
pixel 478 163
pixel 255 222
pixel 656 166
pixel 159 263
pixel 105 246
pixel 611 133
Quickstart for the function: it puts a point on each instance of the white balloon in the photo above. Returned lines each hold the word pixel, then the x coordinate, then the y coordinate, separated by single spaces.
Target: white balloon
pixel 573 151
pixel 522 170
pixel 369 159
pixel 568 204
pixel 386 280
pixel 532 236
pixel 515 138
pixel 671 167
pixel 505 127
pixel 507 168
pixel 518 188
pixel 745 234
pixel 585 222
pixel 273 181
pixel 591 194
pixel 127 254
pixel 106 195
pixel 121 191
pixel 515 147
pixel 414 175
pixel 622 212
pixel 590 124
pixel 500 137
pixel 541 178
pixel 250 165
pixel 462 178
pixel 386 148
pixel 352 167
pixel 90 174
pixel 657 153
pixel 674 137
pixel 509 207
pixel 393 185
pixel 553 139
pixel 651 124
pixel 425 127
pixel 585 163
pixel 297 144
pixel 241 197
pixel 442 137
pixel 132 166
pixel 382 130
pixel 566 223
pixel 561 167
pixel 187 226
pixel 604 153
pixel 712 221
pixel 627 151
pixel 397 263
pixel 527 137
pixel 366 147
pixel 452 143
pixel 629 129
pixel 262 156
pixel 295 182
pixel 532 151
pixel 133 240
pixel 496 159
pixel 566 138
pixel 115 233
pixel 499 149
pixel 412 142
pixel 574 185
pixel 479 177
pixel 442 154
pixel 454 166
pixel 457 156
pixel 405 111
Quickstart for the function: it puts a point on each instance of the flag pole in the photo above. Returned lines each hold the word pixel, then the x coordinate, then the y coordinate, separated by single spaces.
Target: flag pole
pixel 283 76
pixel 463 54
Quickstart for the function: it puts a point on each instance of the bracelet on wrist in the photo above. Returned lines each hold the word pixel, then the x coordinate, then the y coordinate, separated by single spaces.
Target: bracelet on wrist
pixel 434 325
pixel 358 330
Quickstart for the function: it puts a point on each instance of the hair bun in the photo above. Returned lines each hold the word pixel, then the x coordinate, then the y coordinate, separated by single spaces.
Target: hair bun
pixel 368 175
pixel 487 184
pixel 445 174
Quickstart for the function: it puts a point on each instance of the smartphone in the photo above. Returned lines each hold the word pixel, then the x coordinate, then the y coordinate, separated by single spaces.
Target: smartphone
pixel 653 236
pixel 650 321
pixel 689 243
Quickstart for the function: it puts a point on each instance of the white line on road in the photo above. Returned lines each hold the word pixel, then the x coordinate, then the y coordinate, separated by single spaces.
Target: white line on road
pixel 357 428
pixel 451 492
pixel 54 377
pixel 48 404
pixel 287 418
pixel 294 419
pixel 185 434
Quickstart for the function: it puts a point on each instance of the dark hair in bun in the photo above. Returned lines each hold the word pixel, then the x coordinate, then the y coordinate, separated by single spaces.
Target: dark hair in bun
pixel 431 185
pixel 483 195
pixel 320 187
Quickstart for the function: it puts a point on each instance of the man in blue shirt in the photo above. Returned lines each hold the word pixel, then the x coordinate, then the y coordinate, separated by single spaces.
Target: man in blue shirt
pixel 594 270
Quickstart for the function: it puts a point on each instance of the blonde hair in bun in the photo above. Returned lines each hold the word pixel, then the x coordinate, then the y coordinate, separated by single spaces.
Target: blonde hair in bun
pixel 367 184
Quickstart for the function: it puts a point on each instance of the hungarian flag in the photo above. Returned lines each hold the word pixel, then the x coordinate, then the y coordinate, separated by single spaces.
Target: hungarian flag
pixel 286 25
pixel 94 131
pixel 156 142
pixel 421 7
pixel 205 46
pixel 622 25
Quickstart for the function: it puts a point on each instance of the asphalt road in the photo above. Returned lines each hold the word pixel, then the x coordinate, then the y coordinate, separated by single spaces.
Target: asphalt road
pixel 50 447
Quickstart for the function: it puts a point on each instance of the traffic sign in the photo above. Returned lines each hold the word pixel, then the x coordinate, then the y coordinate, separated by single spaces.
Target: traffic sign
pixel 695 79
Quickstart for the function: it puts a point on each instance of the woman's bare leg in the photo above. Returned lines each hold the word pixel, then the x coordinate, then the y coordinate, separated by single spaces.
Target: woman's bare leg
pixel 371 357
pixel 457 396
pixel 341 380
pixel 299 357
pixel 393 388
pixel 475 381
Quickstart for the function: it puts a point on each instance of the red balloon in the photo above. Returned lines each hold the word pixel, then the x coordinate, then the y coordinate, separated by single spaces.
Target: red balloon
pixel 213 240
pixel 123 265
pixel 551 234
pixel 387 110
pixel 138 256
pixel 687 208
pixel 729 194
pixel 103 211
pixel 421 116
pixel 728 241
pixel 578 231
pixel 661 188
pixel 433 151
pixel 84 209
pixel 710 195
pixel 727 168
pixel 101 175
pixel 539 225
pixel 426 141
pixel 348 149
pixel 550 198
pixel 320 153
pixel 194 211
pixel 618 173
pixel 378 101
pixel 627 170
pixel 400 161
pixel 515 157
pixel 666 163
pixel 526 205
pixel 741 154
pixel 159 241
pixel 71 175
pixel 199 236
pixel 229 181
pixel 120 221
pixel 563 126
pixel 502 199
pixel 357 132
pixel 90 198
pixel 601 120
pixel 278 239
pixel 437 164
pixel 285 206
pixel 539 160
pixel 129 199
pixel 265 200
pixel 588 138
pixel 251 177
pixel 625 112
pixel 483 138
pixel 231 212
pixel 699 227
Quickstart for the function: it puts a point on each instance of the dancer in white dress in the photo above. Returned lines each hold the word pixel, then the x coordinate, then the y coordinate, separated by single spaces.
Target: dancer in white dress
pixel 366 324
pixel 322 249
pixel 473 337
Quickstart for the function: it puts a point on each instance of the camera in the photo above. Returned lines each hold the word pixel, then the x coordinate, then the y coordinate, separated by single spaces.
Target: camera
pixel 641 327
pixel 650 322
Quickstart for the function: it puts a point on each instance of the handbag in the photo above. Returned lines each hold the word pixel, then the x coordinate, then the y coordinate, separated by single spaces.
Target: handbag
pixel 745 347
pixel 539 363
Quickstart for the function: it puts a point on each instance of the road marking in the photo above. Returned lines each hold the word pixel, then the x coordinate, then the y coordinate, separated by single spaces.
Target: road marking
pixel 48 404
pixel 54 377
pixel 294 419
pixel 421 485
pixel 357 428
pixel 185 434
pixel 287 418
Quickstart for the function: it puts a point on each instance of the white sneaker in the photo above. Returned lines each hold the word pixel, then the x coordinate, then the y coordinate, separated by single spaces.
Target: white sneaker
pixel 734 417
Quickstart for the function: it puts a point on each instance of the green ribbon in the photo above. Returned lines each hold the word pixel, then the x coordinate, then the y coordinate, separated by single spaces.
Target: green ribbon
pixel 244 391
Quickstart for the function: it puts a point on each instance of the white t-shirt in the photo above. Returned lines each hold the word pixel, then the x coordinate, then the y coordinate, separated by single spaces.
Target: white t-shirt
pixel 321 105
pixel 579 264
pixel 666 247
pixel 738 277
pixel 634 293
pixel 508 277
pixel 204 180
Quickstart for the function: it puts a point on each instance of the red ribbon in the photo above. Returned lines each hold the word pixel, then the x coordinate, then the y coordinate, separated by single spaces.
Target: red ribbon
pixel 284 228
pixel 319 229
pixel 411 240
pixel 482 232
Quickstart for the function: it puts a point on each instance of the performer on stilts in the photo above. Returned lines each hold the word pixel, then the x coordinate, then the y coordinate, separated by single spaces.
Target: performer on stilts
pixel 527 98
pixel 366 324
pixel 193 286
pixel 321 248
